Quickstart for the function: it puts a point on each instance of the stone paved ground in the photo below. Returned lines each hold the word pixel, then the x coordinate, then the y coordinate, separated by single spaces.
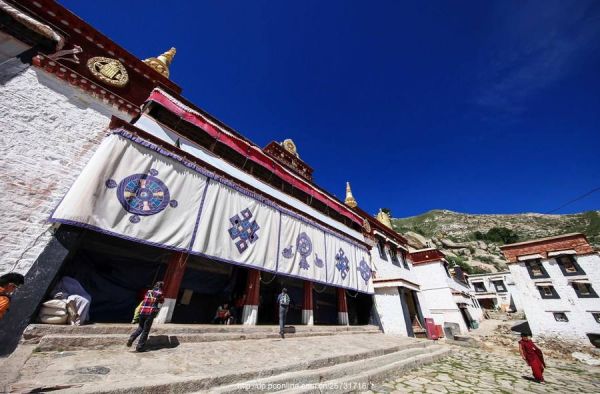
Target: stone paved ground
pixel 477 371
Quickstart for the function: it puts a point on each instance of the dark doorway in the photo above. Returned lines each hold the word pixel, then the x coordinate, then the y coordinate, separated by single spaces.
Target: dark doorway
pixel 465 315
pixel 325 310
pixel 359 307
pixel 413 317
pixel 270 287
pixel 487 303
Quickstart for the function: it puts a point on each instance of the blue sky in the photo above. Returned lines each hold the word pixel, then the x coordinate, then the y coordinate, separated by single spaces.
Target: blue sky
pixel 473 106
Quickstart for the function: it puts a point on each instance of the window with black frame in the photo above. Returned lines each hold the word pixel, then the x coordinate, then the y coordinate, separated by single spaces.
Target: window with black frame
pixel 536 269
pixel 560 317
pixel 479 287
pixel 548 292
pixel 404 262
pixel 381 248
pixel 499 285
pixel 394 256
pixel 568 265
pixel 584 290
pixel 596 316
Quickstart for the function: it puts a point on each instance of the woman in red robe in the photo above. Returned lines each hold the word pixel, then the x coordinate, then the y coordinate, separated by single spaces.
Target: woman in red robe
pixel 534 357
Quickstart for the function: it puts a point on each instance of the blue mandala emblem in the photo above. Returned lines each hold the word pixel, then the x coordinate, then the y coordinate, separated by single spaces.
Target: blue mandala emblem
pixel 304 247
pixel 365 270
pixel 342 263
pixel 142 194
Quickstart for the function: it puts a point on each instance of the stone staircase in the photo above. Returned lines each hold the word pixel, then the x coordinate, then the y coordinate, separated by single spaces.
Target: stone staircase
pixel 214 359
pixel 99 336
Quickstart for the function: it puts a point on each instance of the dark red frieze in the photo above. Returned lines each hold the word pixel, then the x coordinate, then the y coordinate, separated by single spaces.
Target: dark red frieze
pixel 290 161
pixel 76 32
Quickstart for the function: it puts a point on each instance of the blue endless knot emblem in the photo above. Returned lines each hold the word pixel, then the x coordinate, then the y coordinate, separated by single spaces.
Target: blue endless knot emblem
pixel 342 263
pixel 142 194
pixel 244 229
pixel 304 247
pixel 365 270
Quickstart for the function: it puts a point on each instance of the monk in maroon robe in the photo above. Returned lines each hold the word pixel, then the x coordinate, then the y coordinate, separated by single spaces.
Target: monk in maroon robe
pixel 534 357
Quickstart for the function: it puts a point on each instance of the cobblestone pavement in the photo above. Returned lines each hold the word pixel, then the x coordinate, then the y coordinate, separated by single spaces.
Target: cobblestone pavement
pixel 477 371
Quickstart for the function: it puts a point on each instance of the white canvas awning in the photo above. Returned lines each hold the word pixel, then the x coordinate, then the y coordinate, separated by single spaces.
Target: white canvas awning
pixel 561 252
pixel 530 257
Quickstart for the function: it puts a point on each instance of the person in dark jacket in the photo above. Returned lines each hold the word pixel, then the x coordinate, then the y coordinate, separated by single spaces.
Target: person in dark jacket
pixel 148 311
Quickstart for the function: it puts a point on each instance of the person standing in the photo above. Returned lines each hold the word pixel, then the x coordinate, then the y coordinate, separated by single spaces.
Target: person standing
pixel 283 300
pixel 8 284
pixel 150 306
pixel 533 356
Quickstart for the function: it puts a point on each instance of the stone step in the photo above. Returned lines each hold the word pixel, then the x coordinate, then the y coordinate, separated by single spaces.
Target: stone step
pixel 311 379
pixel 39 330
pixel 363 381
pixel 313 370
pixel 61 342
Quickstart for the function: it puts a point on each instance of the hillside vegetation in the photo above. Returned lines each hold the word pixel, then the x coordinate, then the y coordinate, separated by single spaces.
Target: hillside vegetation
pixel 473 240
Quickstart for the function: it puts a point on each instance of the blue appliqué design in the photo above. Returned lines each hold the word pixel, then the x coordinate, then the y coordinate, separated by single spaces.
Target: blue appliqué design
pixel 318 262
pixel 142 194
pixel 365 270
pixel 288 252
pixel 244 229
pixel 304 247
pixel 342 263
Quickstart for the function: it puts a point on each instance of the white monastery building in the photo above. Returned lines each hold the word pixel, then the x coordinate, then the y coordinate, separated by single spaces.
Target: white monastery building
pixel 558 279
pixel 496 291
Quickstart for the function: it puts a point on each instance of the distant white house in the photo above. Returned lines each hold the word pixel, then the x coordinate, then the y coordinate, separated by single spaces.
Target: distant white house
pixel 558 279
pixel 496 291
pixel 446 297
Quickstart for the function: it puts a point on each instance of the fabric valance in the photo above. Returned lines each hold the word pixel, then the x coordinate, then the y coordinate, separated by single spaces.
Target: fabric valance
pixel 136 190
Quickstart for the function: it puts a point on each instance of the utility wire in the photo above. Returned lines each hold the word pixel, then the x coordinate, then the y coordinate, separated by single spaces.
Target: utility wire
pixel 574 200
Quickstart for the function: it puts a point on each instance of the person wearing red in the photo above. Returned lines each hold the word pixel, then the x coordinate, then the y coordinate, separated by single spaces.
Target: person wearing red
pixel 8 284
pixel 148 311
pixel 533 356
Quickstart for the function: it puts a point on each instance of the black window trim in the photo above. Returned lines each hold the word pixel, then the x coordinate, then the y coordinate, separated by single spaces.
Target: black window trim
pixel 381 248
pixel 561 313
pixel 404 261
pixel 596 316
pixel 479 291
pixel 529 269
pixel 554 295
pixel 394 256
pixel 579 271
pixel 504 289
pixel 592 294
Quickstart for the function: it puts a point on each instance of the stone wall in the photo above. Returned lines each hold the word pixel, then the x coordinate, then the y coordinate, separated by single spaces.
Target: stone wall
pixel 539 311
pixel 49 130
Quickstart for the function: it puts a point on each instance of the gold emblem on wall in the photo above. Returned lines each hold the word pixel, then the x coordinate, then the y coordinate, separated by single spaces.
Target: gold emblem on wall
pixel 108 70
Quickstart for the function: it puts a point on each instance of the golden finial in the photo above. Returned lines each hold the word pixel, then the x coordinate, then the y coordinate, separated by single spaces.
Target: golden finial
pixel 162 62
pixel 384 218
pixel 350 201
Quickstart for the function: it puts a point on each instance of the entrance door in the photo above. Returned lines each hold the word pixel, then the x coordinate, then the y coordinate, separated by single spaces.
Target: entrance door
pixel 324 304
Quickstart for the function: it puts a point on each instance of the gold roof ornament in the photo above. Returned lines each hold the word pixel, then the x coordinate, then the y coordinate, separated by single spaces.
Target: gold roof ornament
pixel 350 200
pixel 289 146
pixel 384 218
pixel 162 63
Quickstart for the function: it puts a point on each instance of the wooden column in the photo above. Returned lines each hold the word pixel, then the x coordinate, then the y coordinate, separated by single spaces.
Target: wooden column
pixel 172 283
pixel 250 313
pixel 307 305
pixel 342 307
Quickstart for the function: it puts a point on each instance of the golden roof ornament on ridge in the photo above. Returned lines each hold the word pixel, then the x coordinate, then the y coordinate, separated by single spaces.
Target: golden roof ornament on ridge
pixel 162 62
pixel 384 218
pixel 350 200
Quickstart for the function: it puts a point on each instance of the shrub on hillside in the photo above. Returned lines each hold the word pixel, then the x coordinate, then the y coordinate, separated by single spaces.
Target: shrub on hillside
pixel 501 235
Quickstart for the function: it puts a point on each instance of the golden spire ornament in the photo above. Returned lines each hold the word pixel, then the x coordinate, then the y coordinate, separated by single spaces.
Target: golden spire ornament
pixel 384 218
pixel 162 63
pixel 350 200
